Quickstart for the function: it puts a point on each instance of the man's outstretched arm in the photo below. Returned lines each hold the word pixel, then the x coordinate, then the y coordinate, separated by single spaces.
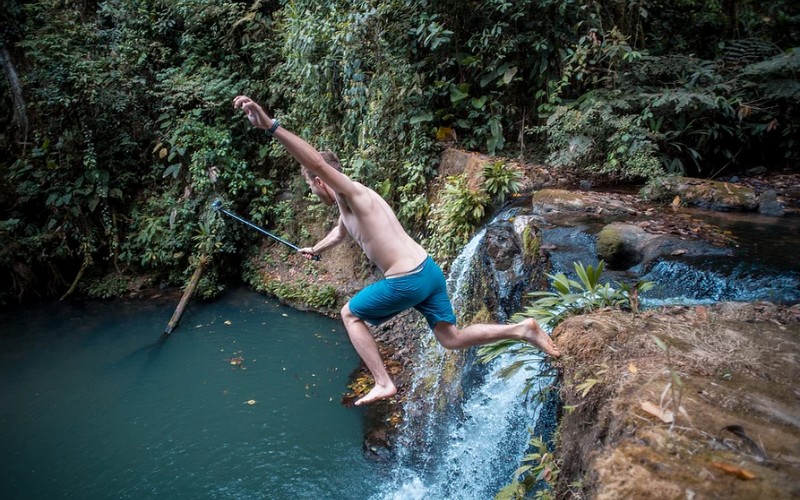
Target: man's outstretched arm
pixel 303 152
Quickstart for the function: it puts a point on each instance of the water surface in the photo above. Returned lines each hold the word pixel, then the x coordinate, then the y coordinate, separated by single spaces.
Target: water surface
pixel 94 405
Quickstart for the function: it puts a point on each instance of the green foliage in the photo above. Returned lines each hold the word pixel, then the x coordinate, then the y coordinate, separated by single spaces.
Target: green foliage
pixel 103 87
pixel 324 297
pixel 539 471
pixel 500 180
pixel 463 206
pixel 531 243
pixel 455 217
pixel 492 65
pixel 346 80
pixel 130 100
pixel 691 116
pixel 568 297
pixel 414 206
pixel 106 287
pixel 597 136
pixel 209 286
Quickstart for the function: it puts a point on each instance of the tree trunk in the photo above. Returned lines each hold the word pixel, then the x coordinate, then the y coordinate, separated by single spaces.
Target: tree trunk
pixel 20 114
pixel 187 294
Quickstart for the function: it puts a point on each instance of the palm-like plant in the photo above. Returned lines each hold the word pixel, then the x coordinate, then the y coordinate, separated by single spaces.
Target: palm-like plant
pixel 569 297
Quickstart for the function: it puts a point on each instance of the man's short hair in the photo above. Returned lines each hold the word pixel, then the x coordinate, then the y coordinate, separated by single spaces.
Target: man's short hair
pixel 329 157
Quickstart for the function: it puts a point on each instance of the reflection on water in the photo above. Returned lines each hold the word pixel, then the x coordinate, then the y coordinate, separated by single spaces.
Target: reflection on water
pixel 764 241
pixel 93 404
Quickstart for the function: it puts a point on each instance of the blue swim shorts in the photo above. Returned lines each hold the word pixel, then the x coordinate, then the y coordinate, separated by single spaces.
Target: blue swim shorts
pixel 425 290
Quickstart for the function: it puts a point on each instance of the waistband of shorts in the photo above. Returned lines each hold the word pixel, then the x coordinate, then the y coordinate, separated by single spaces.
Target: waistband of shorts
pixel 417 269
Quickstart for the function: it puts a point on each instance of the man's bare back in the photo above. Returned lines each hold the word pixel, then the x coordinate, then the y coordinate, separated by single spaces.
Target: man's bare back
pixel 370 221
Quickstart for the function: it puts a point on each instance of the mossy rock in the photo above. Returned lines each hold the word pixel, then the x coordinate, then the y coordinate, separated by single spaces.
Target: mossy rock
pixel 616 246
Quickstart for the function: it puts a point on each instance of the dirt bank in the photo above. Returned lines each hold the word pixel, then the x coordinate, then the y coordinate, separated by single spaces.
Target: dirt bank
pixel 681 402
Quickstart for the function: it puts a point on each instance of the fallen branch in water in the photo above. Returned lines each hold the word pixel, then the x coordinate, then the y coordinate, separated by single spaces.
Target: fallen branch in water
pixel 187 294
pixel 87 260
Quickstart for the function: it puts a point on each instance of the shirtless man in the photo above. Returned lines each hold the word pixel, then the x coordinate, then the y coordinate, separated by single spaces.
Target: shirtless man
pixel 411 277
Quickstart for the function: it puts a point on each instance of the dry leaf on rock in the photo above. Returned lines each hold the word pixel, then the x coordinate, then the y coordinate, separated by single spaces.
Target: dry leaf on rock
pixel 734 470
pixel 665 416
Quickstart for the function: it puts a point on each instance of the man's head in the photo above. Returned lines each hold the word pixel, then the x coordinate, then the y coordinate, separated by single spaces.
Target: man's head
pixel 317 185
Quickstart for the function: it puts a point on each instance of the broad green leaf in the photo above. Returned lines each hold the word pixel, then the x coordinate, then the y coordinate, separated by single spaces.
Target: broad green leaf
pixel 458 93
pixel 479 102
pixel 522 470
pixel 172 170
pixel 421 117
pixel 509 74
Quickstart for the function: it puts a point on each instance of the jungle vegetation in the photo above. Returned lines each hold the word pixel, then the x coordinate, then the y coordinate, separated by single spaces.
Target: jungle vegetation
pixel 117 129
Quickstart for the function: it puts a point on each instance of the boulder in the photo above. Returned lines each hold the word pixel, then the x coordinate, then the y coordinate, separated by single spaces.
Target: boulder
pixel 547 201
pixel 457 162
pixel 623 245
pixel 768 204
pixel 702 193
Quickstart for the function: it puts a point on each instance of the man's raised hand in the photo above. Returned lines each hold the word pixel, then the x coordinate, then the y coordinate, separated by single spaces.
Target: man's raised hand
pixel 254 112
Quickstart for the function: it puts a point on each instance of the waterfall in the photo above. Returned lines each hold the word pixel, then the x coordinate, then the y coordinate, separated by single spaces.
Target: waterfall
pixel 464 436
pixel 460 271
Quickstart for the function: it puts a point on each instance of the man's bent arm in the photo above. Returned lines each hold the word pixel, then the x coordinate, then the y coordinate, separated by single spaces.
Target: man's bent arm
pixel 332 239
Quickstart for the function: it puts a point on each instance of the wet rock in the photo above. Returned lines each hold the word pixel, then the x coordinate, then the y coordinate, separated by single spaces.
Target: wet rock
pixel 622 246
pixel 768 204
pixel 702 193
pixel 760 170
pixel 377 444
pixel 618 244
pixel 503 270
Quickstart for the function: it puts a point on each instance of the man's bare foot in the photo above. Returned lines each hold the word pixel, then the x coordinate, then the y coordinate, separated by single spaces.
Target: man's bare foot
pixel 377 393
pixel 533 334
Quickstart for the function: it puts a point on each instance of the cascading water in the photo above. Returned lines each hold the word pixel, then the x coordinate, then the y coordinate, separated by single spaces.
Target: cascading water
pixel 469 447
pixel 716 280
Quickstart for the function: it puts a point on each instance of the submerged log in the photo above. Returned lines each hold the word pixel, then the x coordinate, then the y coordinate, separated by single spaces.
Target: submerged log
pixel 87 261
pixel 187 294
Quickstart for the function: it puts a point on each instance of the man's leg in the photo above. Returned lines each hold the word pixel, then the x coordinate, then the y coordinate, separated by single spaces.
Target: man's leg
pixel 367 348
pixel 528 331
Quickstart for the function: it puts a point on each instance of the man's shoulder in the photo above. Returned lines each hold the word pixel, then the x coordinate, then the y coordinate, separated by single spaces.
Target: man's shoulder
pixel 362 190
